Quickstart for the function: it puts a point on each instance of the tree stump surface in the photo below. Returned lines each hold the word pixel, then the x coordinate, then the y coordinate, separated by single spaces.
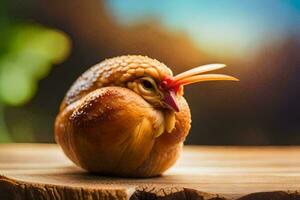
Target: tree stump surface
pixel 41 171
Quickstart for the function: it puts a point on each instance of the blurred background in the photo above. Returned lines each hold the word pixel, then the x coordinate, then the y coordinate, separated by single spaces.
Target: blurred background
pixel 46 44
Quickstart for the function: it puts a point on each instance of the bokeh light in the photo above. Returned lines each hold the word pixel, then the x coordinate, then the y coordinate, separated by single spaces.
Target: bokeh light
pixel 31 52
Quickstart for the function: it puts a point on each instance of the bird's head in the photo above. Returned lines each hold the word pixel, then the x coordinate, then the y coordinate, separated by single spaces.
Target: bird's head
pixel 162 91
pixel 149 78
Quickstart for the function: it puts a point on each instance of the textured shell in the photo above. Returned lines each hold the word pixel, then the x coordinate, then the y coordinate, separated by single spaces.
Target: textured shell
pixel 115 72
pixel 113 130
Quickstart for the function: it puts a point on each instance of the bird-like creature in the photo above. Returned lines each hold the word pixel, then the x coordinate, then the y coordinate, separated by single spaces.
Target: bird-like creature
pixel 127 116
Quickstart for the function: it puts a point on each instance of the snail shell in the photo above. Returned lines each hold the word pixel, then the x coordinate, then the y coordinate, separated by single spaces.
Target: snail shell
pixel 106 128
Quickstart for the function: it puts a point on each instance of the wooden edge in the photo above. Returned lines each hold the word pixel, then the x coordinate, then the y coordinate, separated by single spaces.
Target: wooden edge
pixel 191 194
pixel 171 193
pixel 14 189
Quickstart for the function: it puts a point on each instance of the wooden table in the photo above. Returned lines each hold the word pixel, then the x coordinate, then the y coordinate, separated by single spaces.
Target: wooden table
pixel 41 171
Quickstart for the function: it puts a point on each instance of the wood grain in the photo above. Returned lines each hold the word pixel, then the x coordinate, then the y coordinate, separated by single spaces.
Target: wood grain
pixel 41 171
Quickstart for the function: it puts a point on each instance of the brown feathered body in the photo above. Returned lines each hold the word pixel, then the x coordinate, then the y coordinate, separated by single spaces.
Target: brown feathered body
pixel 104 126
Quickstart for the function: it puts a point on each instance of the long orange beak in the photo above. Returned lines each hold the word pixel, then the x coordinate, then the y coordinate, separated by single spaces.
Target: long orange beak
pixel 194 75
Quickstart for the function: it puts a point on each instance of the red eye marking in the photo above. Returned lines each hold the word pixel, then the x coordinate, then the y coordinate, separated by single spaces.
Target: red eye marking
pixel 168 83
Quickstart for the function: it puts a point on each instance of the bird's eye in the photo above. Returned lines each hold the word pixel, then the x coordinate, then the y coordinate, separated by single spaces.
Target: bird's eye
pixel 147 85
